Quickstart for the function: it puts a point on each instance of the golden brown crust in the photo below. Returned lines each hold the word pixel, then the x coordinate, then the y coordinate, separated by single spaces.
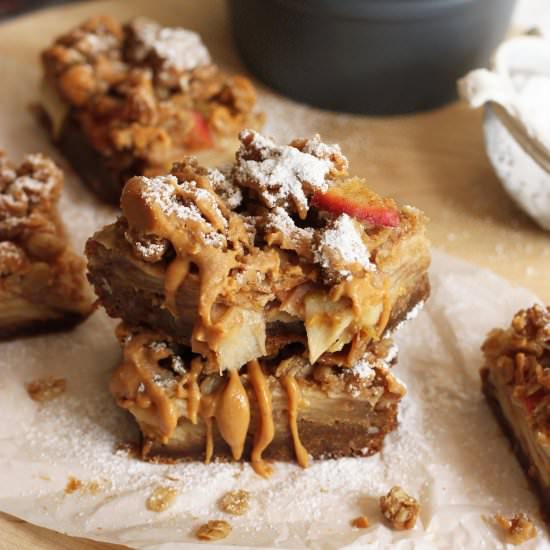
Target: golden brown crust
pixel 137 97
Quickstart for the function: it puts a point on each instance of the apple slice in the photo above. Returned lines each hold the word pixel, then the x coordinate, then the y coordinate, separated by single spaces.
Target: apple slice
pixel 200 137
pixel 353 197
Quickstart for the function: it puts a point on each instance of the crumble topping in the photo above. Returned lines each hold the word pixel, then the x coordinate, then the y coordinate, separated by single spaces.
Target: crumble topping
pixel 161 499
pixel 186 202
pixel 521 356
pixel 281 230
pixel 145 90
pixel 235 503
pixel 400 509
pixel 225 188
pixel 31 188
pixel 340 250
pixel 517 529
pixel 148 248
pixel 214 530
pixel 173 50
pixel 285 175
pixel 46 389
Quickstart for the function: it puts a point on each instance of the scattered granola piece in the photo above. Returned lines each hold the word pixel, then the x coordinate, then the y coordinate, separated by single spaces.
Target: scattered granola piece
pixel 400 509
pixel 214 530
pixel 361 522
pixel 46 389
pixel 235 502
pixel 89 487
pixel 517 529
pixel 73 485
pixel 161 499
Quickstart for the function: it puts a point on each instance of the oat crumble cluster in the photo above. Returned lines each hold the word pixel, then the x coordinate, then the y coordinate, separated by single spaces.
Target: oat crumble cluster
pixel 400 509
pixel 518 529
pixel 127 99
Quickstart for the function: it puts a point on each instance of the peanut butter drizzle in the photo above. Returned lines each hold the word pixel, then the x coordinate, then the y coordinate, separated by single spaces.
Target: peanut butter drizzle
pixel 293 394
pixel 233 414
pixel 207 409
pixel 386 312
pixel 175 275
pixel 266 428
pixel 201 240
pixel 193 390
pixel 136 368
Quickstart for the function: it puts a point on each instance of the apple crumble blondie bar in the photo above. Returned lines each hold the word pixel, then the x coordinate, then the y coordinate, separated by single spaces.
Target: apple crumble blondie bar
pixel 279 282
pixel 516 382
pixel 121 100
pixel 42 282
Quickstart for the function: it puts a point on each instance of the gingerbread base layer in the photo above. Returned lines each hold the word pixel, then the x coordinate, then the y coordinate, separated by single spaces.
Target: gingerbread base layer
pixel 523 455
pixel 322 441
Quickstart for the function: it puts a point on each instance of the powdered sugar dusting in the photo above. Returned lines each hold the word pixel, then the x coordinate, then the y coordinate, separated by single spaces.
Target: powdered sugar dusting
pixel 281 174
pixel 177 48
pixel 342 244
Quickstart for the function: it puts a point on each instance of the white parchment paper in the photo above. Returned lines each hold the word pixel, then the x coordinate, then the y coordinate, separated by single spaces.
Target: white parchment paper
pixel 448 451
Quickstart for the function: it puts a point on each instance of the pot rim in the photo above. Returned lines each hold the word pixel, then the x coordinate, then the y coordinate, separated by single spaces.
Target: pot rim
pixel 382 9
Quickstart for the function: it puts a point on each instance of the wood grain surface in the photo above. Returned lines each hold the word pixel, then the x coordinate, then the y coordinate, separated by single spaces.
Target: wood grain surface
pixel 434 160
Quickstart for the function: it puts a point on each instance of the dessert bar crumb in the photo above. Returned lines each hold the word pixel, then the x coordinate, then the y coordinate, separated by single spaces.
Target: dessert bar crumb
pixel 360 522
pixel 517 529
pixel 400 509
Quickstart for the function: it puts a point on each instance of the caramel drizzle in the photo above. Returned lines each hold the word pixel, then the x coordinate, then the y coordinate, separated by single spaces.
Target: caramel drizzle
pixel 294 395
pixel 266 428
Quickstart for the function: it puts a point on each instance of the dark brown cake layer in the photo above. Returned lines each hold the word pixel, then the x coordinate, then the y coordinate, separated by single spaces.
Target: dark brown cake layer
pixel 322 441
pixel 36 327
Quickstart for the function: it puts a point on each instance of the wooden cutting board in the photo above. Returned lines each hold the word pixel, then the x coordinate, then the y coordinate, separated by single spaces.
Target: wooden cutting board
pixel 435 161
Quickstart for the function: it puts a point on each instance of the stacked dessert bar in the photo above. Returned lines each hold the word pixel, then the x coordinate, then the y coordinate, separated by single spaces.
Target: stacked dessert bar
pixel 121 100
pixel 42 281
pixel 258 304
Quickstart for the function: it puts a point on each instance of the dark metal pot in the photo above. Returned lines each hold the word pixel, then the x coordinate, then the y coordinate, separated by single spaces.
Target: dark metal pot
pixel 367 56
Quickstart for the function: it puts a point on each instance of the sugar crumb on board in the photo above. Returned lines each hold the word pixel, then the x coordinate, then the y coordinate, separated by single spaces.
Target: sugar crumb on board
pixel 161 499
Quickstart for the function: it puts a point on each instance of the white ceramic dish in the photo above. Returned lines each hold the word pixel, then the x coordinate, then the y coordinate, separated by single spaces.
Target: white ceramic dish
pixel 516 96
